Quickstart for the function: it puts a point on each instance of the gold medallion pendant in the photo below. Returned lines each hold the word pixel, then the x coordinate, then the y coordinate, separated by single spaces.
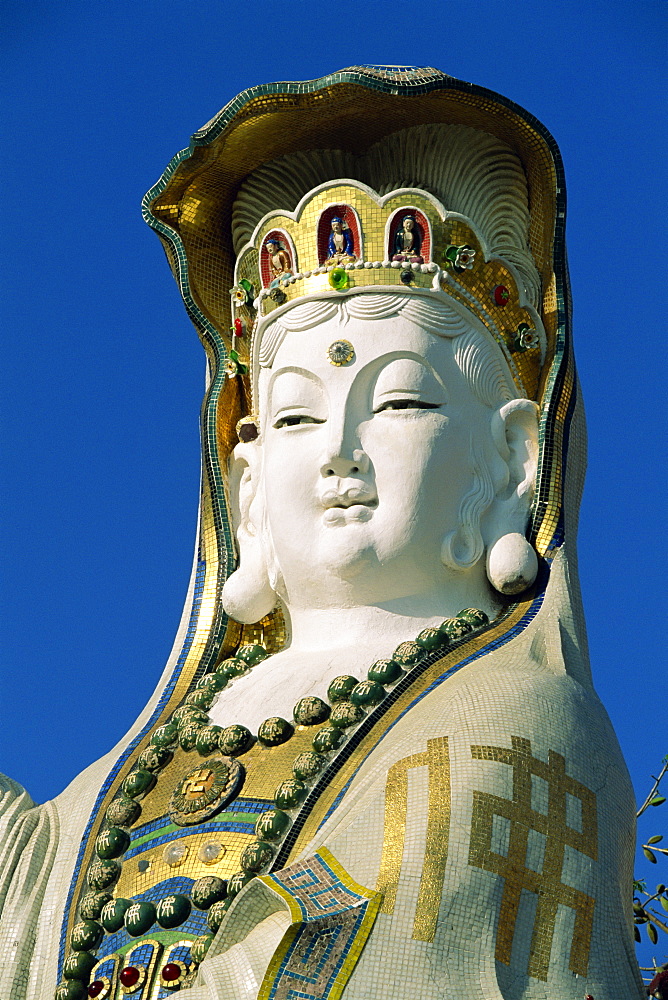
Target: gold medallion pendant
pixel 205 790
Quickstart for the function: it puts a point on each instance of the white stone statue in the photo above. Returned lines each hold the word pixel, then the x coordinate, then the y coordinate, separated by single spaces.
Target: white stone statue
pixel 410 445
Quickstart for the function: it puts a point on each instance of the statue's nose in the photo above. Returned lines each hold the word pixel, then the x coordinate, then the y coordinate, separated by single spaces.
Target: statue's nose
pixel 343 466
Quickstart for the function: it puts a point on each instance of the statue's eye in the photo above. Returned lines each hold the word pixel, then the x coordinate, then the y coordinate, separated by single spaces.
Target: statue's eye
pixel 295 419
pixel 406 404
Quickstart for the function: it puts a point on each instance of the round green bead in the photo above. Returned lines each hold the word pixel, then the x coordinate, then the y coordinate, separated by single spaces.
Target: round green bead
pixel 86 935
pixel 232 668
pixel 474 617
pixel 91 905
pixel 154 758
pixel 310 711
pixel 307 765
pixel 214 917
pixel 455 628
pixel 165 736
pixel 338 279
pixel 138 783
pixel 112 843
pixel 79 965
pixel 188 736
pixel 139 917
pixel 207 891
pixel 103 873
pixel 256 856
pixel 289 793
pixel 207 739
pixel 340 688
pixel 200 699
pixel 123 811
pixel 430 638
pixel 235 740
pixel 274 731
pixel 367 693
pixel 271 825
pixel 113 914
pixel 251 654
pixel 199 947
pixel 173 910
pixel 327 739
pixel 211 682
pixel 236 883
pixel 385 672
pixel 187 714
pixel 407 654
pixel 71 989
pixel 345 714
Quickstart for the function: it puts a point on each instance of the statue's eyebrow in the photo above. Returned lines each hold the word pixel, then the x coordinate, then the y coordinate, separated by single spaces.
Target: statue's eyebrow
pixel 291 370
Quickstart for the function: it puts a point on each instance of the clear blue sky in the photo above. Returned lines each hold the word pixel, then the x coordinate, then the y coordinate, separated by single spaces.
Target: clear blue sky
pixel 103 374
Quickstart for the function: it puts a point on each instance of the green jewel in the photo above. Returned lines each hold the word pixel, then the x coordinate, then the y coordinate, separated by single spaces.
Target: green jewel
pixel 326 739
pixel 307 765
pixel 474 617
pixel 256 856
pixel 165 736
pixel 211 682
pixel 214 917
pixel 274 731
pixel 199 947
pixel 367 693
pixel 71 989
pixel 236 883
pixel 86 935
pixel 346 713
pixel 271 825
pixel 200 699
pixel 139 917
pixel 154 759
pixel 251 654
pixel 407 654
pixel 456 628
pixel 207 739
pixel 384 671
pixel 207 891
pixel 173 910
pixel 235 740
pixel 188 736
pixel 103 873
pixel 138 783
pixel 112 843
pixel 187 714
pixel 79 965
pixel 310 711
pixel 123 811
pixel 91 905
pixel 289 793
pixel 341 687
pixel 113 914
pixel 338 279
pixel 233 667
pixel 430 638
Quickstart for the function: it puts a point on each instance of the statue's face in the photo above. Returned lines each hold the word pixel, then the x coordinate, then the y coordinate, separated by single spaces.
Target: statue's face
pixel 408 224
pixel 365 465
pixel 336 226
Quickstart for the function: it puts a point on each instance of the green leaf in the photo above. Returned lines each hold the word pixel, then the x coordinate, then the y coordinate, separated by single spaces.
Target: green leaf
pixel 649 855
pixel 658 800
pixel 652 933
pixel 655 840
pixel 639 885
pixel 664 902
pixel 636 934
pixel 660 888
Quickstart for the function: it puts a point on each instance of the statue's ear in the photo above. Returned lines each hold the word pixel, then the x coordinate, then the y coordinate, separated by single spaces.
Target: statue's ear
pixel 511 561
pixel 247 594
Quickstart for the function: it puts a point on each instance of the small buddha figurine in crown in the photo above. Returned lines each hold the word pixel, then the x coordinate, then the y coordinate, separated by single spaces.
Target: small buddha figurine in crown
pixel 340 246
pixel 280 264
pixel 407 242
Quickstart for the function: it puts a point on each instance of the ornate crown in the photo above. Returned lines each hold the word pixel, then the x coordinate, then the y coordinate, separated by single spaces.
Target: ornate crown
pixel 344 238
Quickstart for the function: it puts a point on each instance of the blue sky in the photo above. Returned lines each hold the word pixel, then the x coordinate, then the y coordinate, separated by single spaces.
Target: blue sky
pixel 103 374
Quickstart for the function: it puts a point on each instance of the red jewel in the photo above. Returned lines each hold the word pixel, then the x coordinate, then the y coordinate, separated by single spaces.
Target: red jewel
pixel 238 328
pixel 501 295
pixel 96 988
pixel 129 976
pixel 170 972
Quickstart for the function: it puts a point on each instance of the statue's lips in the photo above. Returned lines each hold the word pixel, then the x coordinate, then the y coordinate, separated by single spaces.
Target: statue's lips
pixel 354 504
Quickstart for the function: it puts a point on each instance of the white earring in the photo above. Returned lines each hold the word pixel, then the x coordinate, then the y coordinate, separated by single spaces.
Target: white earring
pixel 512 564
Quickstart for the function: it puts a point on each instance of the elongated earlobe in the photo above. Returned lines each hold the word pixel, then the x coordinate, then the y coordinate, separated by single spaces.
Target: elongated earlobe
pixel 462 548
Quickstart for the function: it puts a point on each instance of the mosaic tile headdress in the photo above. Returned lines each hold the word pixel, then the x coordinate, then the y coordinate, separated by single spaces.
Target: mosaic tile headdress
pixel 245 215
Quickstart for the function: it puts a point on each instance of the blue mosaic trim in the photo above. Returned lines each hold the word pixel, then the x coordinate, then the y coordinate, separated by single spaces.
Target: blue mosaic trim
pixel 213 827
